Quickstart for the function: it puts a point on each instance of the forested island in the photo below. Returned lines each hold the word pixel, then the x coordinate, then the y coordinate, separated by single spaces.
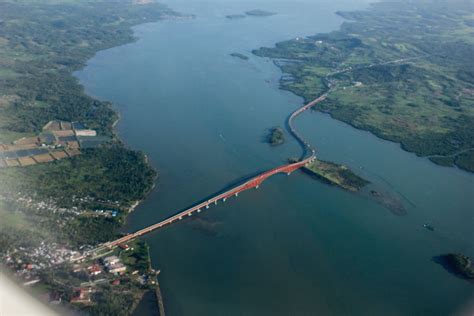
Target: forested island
pixel 78 202
pixel 276 136
pixel 401 70
pixel 458 264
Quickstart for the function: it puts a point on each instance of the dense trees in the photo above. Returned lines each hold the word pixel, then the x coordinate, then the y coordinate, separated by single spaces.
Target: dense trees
pixel 42 44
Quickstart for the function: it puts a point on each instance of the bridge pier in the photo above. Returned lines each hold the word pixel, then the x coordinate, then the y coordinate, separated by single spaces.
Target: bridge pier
pixel 252 183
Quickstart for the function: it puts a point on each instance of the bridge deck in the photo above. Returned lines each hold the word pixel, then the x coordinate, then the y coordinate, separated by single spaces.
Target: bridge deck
pixel 252 183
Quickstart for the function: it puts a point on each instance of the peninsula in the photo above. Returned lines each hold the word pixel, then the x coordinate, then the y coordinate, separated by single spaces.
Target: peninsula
pixel 402 71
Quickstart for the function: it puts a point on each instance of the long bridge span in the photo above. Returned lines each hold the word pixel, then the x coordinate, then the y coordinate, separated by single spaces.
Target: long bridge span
pixel 254 182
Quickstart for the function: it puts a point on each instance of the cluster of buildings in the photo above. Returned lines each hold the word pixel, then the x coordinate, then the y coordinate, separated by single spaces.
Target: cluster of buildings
pixel 58 140
pixel 109 264
pixel 45 255
pixel 113 265
pixel 28 262
pixel 49 205
pixel 82 295
pixel 94 270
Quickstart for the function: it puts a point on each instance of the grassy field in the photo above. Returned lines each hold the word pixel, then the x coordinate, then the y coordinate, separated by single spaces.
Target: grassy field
pixel 401 70
pixel 336 174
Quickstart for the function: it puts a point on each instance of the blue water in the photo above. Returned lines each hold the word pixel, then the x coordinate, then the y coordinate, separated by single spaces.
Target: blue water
pixel 295 246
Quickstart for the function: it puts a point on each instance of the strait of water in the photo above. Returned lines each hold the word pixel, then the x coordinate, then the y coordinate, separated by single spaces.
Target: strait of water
pixel 295 246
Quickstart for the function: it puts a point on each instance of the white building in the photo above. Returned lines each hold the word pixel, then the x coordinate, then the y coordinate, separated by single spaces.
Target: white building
pixel 86 132
pixel 111 260
pixel 117 268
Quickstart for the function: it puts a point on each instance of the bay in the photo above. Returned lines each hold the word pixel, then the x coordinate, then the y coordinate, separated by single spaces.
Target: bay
pixel 295 246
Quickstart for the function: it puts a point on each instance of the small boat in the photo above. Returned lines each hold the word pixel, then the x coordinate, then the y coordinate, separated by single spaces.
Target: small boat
pixel 428 226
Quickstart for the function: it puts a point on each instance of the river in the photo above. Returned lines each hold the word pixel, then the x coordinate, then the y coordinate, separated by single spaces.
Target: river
pixel 295 246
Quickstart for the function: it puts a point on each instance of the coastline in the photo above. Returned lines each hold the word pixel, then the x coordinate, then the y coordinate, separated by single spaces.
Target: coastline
pixel 450 148
pixel 351 124
pixel 103 205
pixel 137 203
pixel 157 240
pixel 118 113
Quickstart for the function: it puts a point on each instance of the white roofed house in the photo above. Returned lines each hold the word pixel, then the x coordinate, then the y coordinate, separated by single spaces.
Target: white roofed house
pixel 86 132
pixel 111 260
pixel 117 268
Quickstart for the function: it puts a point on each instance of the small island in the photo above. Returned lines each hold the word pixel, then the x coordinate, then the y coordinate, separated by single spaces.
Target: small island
pixel 276 136
pixel 259 13
pixel 458 264
pixel 235 16
pixel 239 55
pixel 336 174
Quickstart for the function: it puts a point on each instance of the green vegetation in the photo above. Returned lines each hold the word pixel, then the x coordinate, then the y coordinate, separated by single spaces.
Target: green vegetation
pixel 137 257
pixel 259 13
pixel 41 44
pixel 336 174
pixel 109 174
pixel 401 70
pixel 84 199
pixel 459 264
pixel 239 55
pixel 466 160
pixel 443 161
pixel 110 178
pixel 110 301
pixel 276 136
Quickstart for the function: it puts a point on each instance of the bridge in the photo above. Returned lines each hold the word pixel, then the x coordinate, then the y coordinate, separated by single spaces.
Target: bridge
pixel 254 182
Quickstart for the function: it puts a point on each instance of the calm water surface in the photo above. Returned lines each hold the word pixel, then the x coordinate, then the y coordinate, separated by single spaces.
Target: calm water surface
pixel 295 246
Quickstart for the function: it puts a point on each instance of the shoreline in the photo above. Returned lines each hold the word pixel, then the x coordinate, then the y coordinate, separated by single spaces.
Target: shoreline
pixel 282 51
pixel 118 113
pixel 380 137
pixel 116 136
pixel 115 164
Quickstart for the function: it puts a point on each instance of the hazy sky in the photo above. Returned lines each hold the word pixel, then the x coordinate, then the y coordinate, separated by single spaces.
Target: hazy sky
pixel 16 302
